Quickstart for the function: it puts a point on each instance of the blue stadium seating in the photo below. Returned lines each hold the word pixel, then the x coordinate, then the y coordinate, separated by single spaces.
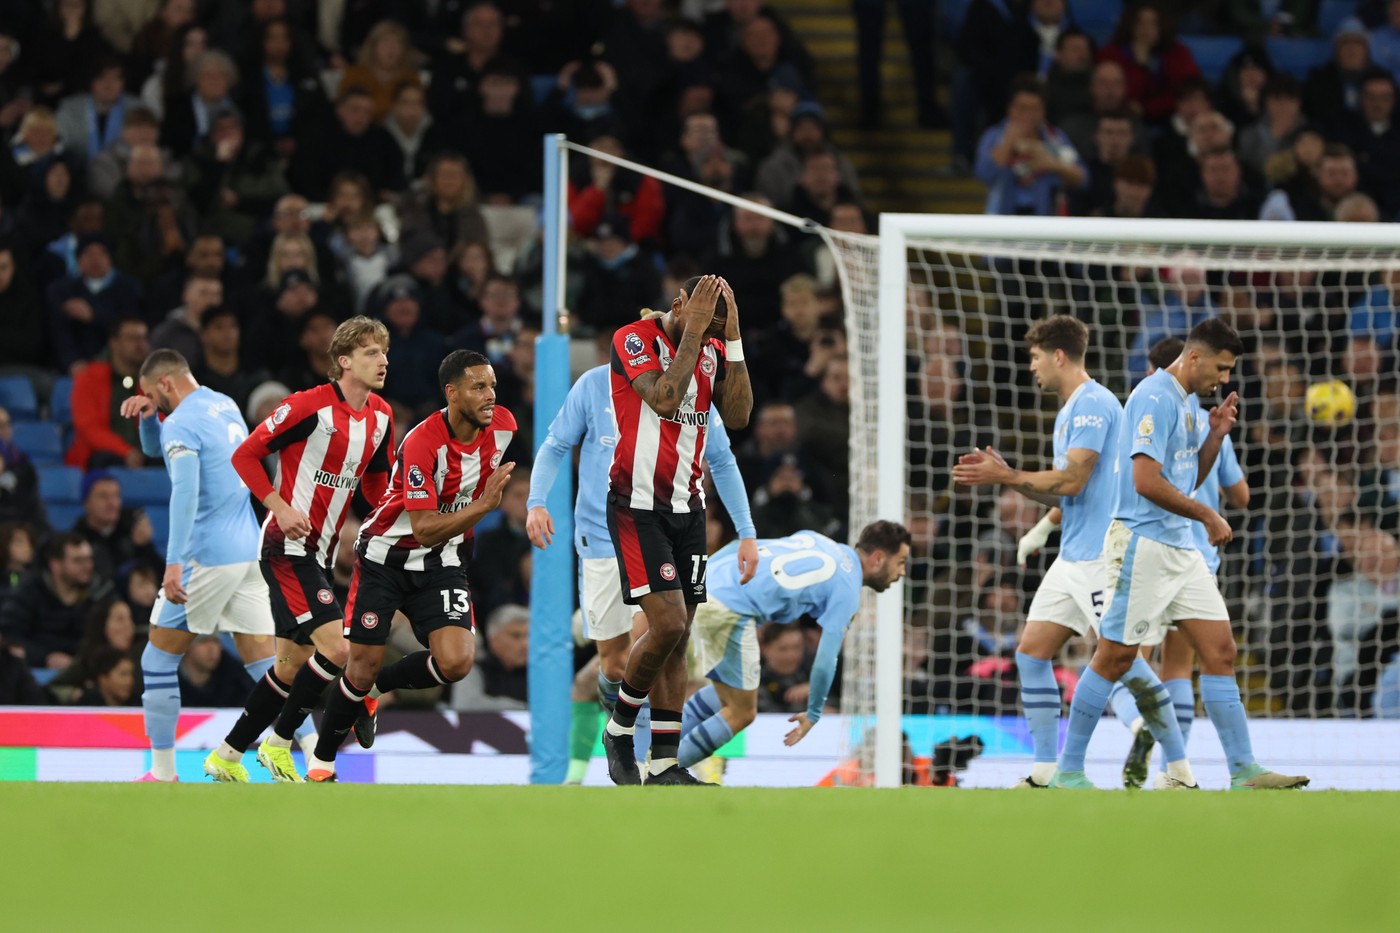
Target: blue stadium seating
pixel 63 515
pixel 1331 13
pixel 60 484
pixel 149 486
pixel 41 441
pixel 1299 56
pixel 61 401
pixel 1096 17
pixel 160 524
pixel 1213 53
pixel 18 398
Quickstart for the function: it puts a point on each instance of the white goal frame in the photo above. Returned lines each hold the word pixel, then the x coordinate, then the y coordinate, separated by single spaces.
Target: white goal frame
pixel 897 233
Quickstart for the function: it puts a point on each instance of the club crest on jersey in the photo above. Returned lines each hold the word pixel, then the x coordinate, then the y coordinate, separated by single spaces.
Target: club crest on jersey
pixel 369 620
pixel 633 345
pixel 668 572
pixel 415 477
pixel 376 437
pixel 707 366
pixel 1145 426
pixel 278 416
pixel 325 596
pixel 495 459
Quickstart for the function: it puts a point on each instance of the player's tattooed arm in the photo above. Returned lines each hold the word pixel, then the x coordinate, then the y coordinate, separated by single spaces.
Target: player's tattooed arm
pixel 735 397
pixel 1044 486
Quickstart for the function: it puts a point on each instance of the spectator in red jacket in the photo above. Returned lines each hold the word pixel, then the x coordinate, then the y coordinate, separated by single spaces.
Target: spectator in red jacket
pixel 1153 61
pixel 608 189
pixel 101 437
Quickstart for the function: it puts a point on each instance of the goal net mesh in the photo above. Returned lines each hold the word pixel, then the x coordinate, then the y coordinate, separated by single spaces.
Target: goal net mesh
pixel 1311 576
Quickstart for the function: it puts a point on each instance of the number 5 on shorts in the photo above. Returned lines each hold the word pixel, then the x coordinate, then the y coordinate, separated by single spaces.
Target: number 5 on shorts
pixel 1096 598
pixel 457 604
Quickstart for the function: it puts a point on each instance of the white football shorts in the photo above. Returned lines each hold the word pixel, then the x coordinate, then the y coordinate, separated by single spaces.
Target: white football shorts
pixel 1156 586
pixel 225 598
pixel 1072 594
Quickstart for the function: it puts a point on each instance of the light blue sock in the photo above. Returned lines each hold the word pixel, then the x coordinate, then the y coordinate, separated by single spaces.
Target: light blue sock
pixel 161 699
pixel 1085 711
pixel 702 704
pixel 256 669
pixel 1124 706
pixel 641 739
pixel 1040 698
pixel 1184 703
pixel 1155 706
pixel 1221 696
pixel 700 742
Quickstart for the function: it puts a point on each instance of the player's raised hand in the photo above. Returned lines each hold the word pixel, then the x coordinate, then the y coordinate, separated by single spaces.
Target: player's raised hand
pixel 1218 531
pixel 173 586
pixel 804 726
pixel 731 323
pixel 138 406
pixel 986 468
pixel 699 308
pixel 748 559
pixel 539 527
pixel 496 485
pixel 1224 415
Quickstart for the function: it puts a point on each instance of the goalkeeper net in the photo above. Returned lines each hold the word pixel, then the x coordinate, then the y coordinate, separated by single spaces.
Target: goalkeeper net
pixel 1311 576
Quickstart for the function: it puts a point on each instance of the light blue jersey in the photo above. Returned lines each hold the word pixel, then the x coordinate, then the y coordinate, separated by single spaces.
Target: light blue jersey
pixel 802 574
pixel 1088 421
pixel 197 441
pixel 1162 421
pixel 587 419
pixel 1223 475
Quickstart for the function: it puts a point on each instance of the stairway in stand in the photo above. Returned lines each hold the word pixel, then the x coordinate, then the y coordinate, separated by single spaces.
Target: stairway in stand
pixel 901 167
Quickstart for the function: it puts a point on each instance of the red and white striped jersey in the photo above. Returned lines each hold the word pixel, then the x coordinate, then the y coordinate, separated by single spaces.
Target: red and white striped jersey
pixel 324 450
pixel 433 470
pixel 656 463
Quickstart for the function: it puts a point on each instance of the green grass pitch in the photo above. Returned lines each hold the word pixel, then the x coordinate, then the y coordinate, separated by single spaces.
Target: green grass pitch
pixel 382 858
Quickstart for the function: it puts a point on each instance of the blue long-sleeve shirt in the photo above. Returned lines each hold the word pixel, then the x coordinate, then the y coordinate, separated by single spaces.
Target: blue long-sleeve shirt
pixel 587 419
pixel 1009 191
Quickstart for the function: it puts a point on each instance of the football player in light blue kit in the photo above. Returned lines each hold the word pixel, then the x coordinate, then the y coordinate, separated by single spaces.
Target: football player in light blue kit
pixel 1160 577
pixel 1226 478
pixel 587 419
pixel 1083 488
pixel 802 574
pixel 212 582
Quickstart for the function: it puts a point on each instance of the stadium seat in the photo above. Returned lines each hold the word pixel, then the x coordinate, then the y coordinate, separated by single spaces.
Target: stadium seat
pixel 1096 17
pixel 1213 53
pixel 1331 13
pixel 160 524
pixel 149 486
pixel 950 15
pixel 18 398
pixel 1299 56
pixel 63 515
pixel 60 483
pixel 41 441
pixel 61 401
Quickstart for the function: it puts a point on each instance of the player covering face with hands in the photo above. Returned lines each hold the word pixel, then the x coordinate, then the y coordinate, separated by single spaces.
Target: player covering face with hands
pixel 666 373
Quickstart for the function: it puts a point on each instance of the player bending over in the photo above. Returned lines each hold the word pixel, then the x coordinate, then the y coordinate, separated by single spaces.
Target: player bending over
pixel 412 553
pixel 587 420
pixel 211 579
pixel 802 574
pixel 666 372
pixel 328 440
pixel 1081 485
pixel 1150 549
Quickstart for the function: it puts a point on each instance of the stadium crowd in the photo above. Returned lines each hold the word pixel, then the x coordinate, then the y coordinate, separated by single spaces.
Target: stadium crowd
pixel 231 178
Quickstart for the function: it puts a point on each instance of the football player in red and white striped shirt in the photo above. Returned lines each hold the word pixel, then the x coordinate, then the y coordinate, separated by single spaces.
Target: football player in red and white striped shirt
pixel 413 549
pixel 328 441
pixel 666 371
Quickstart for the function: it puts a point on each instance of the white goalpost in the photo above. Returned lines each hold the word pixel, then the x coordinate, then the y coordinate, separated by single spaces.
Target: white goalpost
pixel 937 367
